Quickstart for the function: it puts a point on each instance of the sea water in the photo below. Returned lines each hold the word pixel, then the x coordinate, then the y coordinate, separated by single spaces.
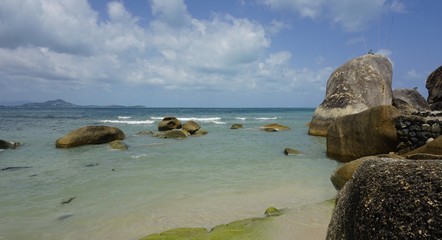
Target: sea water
pixel 95 192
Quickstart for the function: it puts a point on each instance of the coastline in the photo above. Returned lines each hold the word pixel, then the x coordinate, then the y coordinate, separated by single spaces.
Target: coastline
pixel 305 222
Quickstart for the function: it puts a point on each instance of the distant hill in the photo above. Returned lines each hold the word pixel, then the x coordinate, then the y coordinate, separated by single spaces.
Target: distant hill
pixel 59 103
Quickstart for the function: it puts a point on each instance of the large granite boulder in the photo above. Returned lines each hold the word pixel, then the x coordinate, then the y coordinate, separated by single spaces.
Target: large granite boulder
pixel 191 127
pixel 434 86
pixel 409 101
pixel 358 85
pixel 89 135
pixel 8 145
pixel 169 123
pixel 370 132
pixel 387 199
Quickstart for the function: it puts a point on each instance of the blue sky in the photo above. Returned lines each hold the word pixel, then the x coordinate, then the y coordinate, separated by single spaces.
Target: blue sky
pixel 200 53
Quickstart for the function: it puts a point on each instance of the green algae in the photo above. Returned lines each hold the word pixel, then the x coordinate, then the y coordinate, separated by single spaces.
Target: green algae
pixel 246 229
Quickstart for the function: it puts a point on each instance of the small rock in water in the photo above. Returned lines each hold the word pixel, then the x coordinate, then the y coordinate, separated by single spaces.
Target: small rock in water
pixel 291 151
pixel 13 168
pixel 271 211
pixel 236 126
pixel 91 164
pixel 64 217
pixel 67 201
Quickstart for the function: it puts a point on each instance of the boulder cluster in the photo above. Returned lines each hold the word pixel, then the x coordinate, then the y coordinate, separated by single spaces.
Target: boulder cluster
pixel 171 127
pixel 367 125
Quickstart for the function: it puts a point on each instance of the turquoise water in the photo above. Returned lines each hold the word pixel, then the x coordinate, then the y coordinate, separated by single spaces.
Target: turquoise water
pixel 157 184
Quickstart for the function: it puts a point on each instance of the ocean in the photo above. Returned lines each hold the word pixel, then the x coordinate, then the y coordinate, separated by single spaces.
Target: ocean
pixel 95 192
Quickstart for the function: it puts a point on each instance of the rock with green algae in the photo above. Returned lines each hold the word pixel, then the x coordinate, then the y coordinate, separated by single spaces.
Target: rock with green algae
pixel 119 145
pixel 247 229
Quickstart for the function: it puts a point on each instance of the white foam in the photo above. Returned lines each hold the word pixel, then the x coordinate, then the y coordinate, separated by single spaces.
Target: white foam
pixel 241 118
pixel 215 120
pixel 124 117
pixel 130 122
pixel 266 118
pixel 138 156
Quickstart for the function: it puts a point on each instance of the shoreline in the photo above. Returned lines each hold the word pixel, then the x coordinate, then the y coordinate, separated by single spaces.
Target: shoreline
pixel 305 222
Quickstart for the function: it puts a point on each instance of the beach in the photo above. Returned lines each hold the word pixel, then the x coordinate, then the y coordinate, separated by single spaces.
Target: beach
pixel 161 184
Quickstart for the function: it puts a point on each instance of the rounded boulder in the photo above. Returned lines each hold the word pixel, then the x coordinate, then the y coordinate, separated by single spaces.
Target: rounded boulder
pixel 90 135
pixel 355 86
pixel 169 123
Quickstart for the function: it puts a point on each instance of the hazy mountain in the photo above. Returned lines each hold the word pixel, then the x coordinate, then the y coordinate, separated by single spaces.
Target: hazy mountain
pixel 59 103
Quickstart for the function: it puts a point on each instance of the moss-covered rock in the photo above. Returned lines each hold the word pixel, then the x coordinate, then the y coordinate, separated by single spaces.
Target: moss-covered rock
pixel 247 229
pixel 118 144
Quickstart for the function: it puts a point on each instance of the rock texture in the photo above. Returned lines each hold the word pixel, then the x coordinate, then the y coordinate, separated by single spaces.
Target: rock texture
pixel 119 145
pixel 344 173
pixel 433 147
pixel 175 134
pixel 370 132
pixel 415 131
pixel 8 145
pixel 390 200
pixel 358 85
pixel 434 86
pixel 236 126
pixel 291 151
pixel 409 101
pixel 274 127
pixel 169 123
pixel 89 135
pixel 191 127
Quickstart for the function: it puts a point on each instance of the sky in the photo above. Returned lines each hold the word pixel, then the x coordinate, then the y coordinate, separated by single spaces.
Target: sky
pixel 206 53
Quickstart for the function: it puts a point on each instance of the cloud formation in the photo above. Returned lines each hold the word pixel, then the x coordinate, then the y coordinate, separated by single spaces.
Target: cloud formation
pixel 351 15
pixel 65 45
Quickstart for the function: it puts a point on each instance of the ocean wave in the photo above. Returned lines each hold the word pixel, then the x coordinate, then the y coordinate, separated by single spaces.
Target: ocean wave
pixel 138 156
pixel 215 120
pixel 241 118
pixel 124 117
pixel 130 122
pixel 265 118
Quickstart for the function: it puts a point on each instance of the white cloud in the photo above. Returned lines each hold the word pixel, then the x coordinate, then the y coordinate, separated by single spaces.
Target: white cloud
pixel 384 52
pixel 60 45
pixel 412 74
pixel 351 15
pixel 305 8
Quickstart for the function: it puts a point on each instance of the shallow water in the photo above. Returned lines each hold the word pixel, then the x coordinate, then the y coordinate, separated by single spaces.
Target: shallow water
pixel 158 184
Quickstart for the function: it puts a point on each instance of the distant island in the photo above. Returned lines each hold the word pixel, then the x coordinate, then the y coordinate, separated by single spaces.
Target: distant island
pixel 59 103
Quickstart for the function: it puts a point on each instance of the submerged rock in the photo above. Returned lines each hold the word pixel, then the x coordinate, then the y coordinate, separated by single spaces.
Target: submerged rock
pixel 89 135
pixel 274 127
pixel 247 229
pixel 291 151
pixel 356 86
pixel 145 133
pixel 236 126
pixel 174 134
pixel 119 145
pixel 200 132
pixel 8 145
